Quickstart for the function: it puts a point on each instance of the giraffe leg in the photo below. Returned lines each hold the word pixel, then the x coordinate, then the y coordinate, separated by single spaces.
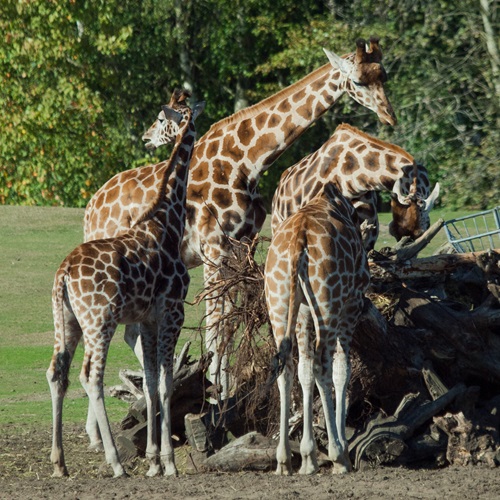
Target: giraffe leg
pixel 283 452
pixel 324 382
pixel 92 429
pixel 218 372
pixel 57 377
pixel 341 376
pixel 307 444
pixel 132 338
pixel 172 324
pixel 148 337
pixel 91 378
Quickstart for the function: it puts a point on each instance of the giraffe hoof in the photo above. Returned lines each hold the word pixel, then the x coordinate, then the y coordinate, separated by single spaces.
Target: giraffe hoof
pixel 60 472
pixel 341 469
pixel 154 470
pixel 283 470
pixel 97 447
pixel 121 474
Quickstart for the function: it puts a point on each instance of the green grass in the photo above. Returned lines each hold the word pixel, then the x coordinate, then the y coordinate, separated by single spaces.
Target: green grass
pixel 33 242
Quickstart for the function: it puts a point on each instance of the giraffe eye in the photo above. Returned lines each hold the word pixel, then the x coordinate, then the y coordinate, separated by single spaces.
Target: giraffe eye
pixel 359 84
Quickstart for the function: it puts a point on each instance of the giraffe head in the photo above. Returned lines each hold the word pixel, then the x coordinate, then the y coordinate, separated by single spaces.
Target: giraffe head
pixel 363 78
pixel 166 127
pixel 410 211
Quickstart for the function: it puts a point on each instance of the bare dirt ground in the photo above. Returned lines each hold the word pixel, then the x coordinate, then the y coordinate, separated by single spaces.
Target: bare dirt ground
pixel 25 472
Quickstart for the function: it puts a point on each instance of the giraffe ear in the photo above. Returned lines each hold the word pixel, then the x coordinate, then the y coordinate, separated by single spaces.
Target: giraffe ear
pixel 375 51
pixel 338 62
pixel 198 109
pixel 171 114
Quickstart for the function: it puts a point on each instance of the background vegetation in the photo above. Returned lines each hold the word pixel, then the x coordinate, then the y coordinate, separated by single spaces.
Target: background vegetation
pixel 80 81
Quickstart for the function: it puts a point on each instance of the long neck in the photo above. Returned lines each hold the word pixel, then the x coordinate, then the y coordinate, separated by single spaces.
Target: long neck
pixel 255 137
pixel 358 162
pixel 169 206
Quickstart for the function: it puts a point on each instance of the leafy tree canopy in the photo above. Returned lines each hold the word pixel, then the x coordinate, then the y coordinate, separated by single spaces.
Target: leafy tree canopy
pixel 81 81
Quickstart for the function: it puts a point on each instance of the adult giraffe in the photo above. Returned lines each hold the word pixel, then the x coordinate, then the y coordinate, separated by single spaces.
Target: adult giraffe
pixel 315 277
pixel 359 164
pixel 228 161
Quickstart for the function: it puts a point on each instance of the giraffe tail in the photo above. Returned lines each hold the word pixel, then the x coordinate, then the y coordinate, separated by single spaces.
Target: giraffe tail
pixel 279 360
pixel 61 357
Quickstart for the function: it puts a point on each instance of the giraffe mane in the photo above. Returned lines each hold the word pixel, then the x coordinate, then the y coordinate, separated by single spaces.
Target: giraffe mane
pixel 375 140
pixel 168 167
pixel 266 103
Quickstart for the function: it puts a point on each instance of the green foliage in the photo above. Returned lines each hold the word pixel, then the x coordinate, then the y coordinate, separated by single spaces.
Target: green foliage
pixel 81 81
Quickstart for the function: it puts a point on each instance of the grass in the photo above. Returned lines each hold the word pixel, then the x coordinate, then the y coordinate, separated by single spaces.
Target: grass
pixel 33 242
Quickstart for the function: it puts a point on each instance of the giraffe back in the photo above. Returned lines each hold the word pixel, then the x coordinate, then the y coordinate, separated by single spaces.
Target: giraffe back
pixel 358 164
pixel 316 258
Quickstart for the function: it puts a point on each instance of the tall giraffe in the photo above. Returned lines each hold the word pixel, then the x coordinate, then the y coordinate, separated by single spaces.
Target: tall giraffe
pixel 316 274
pixel 223 199
pixel 359 164
pixel 137 276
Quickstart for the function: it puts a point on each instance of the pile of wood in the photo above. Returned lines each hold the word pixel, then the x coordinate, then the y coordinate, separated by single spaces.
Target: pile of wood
pixel 425 384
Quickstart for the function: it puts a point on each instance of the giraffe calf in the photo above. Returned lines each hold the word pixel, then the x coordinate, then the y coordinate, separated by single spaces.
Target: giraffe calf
pixel 316 274
pixel 138 277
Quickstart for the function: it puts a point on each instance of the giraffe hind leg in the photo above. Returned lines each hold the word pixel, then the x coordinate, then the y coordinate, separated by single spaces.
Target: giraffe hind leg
pixel 324 383
pixel 132 338
pixel 341 376
pixel 283 372
pixel 307 444
pixel 58 379
pixel 169 331
pixel 91 378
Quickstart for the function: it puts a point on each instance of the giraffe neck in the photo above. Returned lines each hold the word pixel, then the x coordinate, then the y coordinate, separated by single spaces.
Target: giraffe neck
pixel 169 206
pixel 258 135
pixel 358 162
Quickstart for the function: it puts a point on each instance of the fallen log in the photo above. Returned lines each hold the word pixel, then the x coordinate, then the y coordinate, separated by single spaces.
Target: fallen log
pixel 384 437
pixel 389 270
pixel 406 249
pixel 472 334
pixel 253 451
pixel 189 391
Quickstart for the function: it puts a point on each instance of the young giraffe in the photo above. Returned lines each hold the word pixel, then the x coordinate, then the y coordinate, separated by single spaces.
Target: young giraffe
pixel 163 132
pixel 316 274
pixel 136 277
pixel 223 199
pixel 359 164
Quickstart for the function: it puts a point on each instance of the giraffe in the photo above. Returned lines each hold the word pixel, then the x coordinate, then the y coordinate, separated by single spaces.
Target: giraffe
pixel 359 164
pixel 223 199
pixel 315 277
pixel 138 276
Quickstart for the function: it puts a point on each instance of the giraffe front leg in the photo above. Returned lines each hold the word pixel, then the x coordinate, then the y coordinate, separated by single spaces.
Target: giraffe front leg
pixel 150 388
pixel 216 335
pixel 92 429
